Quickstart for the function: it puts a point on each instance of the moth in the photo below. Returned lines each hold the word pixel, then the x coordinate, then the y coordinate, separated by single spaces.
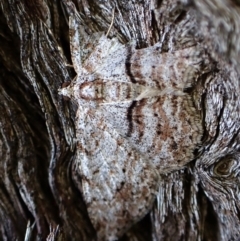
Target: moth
pixel 135 120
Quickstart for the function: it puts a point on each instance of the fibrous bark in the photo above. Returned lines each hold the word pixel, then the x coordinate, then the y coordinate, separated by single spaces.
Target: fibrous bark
pixel 198 202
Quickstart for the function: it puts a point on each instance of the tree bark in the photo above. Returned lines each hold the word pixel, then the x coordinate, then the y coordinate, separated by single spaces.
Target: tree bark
pixel 38 197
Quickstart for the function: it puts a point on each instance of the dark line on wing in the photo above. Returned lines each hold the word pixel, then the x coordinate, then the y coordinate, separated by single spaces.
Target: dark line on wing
pixel 139 120
pixel 129 117
pixel 128 64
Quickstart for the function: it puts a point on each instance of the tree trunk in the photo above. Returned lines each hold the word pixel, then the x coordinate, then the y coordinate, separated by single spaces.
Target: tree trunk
pixel 40 198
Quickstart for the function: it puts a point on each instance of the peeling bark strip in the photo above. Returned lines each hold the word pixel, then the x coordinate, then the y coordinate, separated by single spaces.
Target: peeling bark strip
pixel 172 91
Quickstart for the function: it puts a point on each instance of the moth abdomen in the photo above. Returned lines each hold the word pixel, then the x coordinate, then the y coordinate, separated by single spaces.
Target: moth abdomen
pixel 109 91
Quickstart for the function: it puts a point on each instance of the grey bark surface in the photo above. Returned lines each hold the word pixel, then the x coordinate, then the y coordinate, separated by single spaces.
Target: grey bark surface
pixel 38 198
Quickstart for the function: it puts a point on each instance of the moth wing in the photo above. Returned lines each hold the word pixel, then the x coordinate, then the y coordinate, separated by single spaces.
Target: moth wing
pixel 107 53
pixel 165 129
pixel 118 184
pixel 148 67
pixel 161 122
pixel 82 44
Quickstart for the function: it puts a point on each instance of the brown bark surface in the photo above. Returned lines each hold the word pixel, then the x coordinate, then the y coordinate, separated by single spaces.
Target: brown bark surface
pixel 199 202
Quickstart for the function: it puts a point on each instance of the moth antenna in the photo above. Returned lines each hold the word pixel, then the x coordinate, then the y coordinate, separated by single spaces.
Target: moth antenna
pixel 113 16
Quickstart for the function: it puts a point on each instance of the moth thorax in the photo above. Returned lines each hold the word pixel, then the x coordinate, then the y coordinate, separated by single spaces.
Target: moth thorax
pixel 91 90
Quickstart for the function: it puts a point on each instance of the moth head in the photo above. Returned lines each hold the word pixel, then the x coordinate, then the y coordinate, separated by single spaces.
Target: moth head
pixel 66 90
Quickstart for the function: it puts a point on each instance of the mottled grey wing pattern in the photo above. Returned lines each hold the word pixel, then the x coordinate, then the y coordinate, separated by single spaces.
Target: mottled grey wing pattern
pixel 133 112
pixel 118 184
pixel 153 112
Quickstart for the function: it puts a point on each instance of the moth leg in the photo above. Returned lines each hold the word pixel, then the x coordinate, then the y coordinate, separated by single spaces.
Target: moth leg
pixel 69 65
pixel 113 16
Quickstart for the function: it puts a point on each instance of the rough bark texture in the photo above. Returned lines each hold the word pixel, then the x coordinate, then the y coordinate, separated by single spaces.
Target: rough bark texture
pixel 198 202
